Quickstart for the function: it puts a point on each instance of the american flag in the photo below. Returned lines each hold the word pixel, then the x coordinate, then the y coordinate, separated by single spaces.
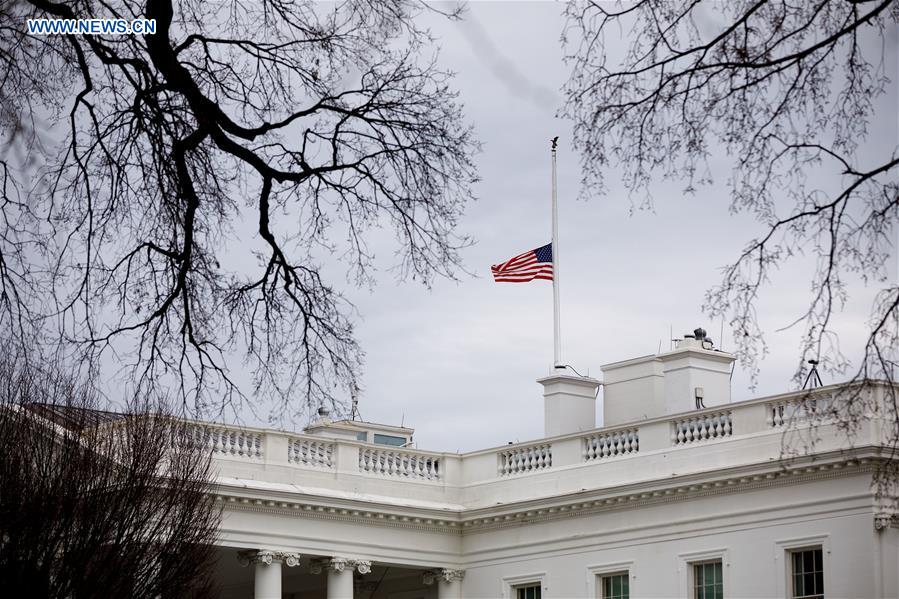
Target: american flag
pixel 533 264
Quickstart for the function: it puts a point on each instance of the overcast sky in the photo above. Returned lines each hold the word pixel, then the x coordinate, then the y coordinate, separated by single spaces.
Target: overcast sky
pixel 459 362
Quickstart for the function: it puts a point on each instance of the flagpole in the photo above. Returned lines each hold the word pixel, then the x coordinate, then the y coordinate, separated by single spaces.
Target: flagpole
pixel 557 339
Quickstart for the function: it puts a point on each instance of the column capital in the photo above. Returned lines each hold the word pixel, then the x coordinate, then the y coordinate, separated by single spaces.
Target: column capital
pixel 267 557
pixel 291 558
pixel 335 564
pixel 256 556
pixel 444 574
pixel 362 566
pixel 882 520
pixel 339 564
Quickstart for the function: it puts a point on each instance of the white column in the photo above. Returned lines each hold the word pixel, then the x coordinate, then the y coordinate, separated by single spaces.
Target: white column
pixel 267 580
pixel 267 574
pixel 340 579
pixel 449 582
pixel 340 574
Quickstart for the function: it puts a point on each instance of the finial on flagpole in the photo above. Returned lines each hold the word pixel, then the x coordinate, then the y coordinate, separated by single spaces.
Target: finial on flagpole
pixel 554 141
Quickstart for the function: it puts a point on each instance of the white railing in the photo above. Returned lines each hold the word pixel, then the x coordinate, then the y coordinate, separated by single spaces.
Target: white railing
pixel 702 427
pixel 604 445
pixel 525 459
pixel 309 452
pixel 401 464
pixel 797 410
pixel 323 456
pixel 227 441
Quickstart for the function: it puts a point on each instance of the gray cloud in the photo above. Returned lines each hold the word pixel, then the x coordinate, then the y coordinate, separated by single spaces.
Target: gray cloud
pixel 459 362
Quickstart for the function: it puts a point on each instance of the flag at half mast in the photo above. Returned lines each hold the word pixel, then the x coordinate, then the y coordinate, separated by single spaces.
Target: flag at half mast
pixel 533 264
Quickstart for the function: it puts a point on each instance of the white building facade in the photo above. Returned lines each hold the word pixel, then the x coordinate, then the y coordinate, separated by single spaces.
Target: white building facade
pixel 681 493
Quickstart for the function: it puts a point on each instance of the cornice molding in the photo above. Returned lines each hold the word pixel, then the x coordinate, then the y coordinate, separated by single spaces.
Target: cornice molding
pixel 308 509
pixel 584 503
pixel 637 499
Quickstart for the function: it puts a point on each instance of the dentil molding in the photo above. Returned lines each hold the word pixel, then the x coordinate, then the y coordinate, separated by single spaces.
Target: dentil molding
pixel 603 500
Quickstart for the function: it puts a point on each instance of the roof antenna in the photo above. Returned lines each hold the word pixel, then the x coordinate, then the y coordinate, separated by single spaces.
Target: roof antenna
pixel 354 410
pixel 721 333
pixel 813 379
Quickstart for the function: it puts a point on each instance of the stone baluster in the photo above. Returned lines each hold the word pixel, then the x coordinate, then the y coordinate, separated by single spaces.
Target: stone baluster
pixel 267 575
pixel 449 582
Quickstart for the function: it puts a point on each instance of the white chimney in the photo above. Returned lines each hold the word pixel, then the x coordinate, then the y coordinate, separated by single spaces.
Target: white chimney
pixel 694 375
pixel 569 403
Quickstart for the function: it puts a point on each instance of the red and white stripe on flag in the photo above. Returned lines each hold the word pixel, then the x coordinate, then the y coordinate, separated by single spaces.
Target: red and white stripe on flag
pixel 533 264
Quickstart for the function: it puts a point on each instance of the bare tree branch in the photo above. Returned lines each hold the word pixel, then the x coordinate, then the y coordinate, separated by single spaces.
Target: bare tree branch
pixel 317 124
pixel 789 91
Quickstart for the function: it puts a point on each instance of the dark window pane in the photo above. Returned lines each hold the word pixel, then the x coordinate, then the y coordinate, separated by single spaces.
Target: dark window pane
pixel 808 573
pixel 528 592
pixel 708 580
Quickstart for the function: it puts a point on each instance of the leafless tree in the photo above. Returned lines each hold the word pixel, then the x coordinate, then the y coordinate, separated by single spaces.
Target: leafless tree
pixel 200 177
pixel 790 91
pixel 93 503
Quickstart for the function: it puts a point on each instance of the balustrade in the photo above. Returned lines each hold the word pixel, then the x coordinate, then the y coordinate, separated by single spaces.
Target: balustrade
pixel 603 445
pixel 395 463
pixel 401 464
pixel 308 452
pixel 225 441
pixel 525 459
pixel 797 410
pixel 702 427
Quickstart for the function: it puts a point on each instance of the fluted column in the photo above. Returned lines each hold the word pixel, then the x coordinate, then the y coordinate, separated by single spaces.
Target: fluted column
pixel 449 582
pixel 267 574
pixel 340 574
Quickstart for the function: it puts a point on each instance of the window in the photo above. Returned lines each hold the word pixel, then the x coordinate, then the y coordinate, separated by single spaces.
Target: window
pixel 389 440
pixel 525 585
pixel 615 586
pixel 531 591
pixel 708 580
pixel 807 573
pixel 363 436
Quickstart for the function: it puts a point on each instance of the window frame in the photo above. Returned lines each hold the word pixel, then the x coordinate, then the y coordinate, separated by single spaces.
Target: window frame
pixel 527 586
pixel 692 575
pixel 792 566
pixel 596 572
pixel 620 574
pixel 688 560
pixel 512 583
pixel 784 552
